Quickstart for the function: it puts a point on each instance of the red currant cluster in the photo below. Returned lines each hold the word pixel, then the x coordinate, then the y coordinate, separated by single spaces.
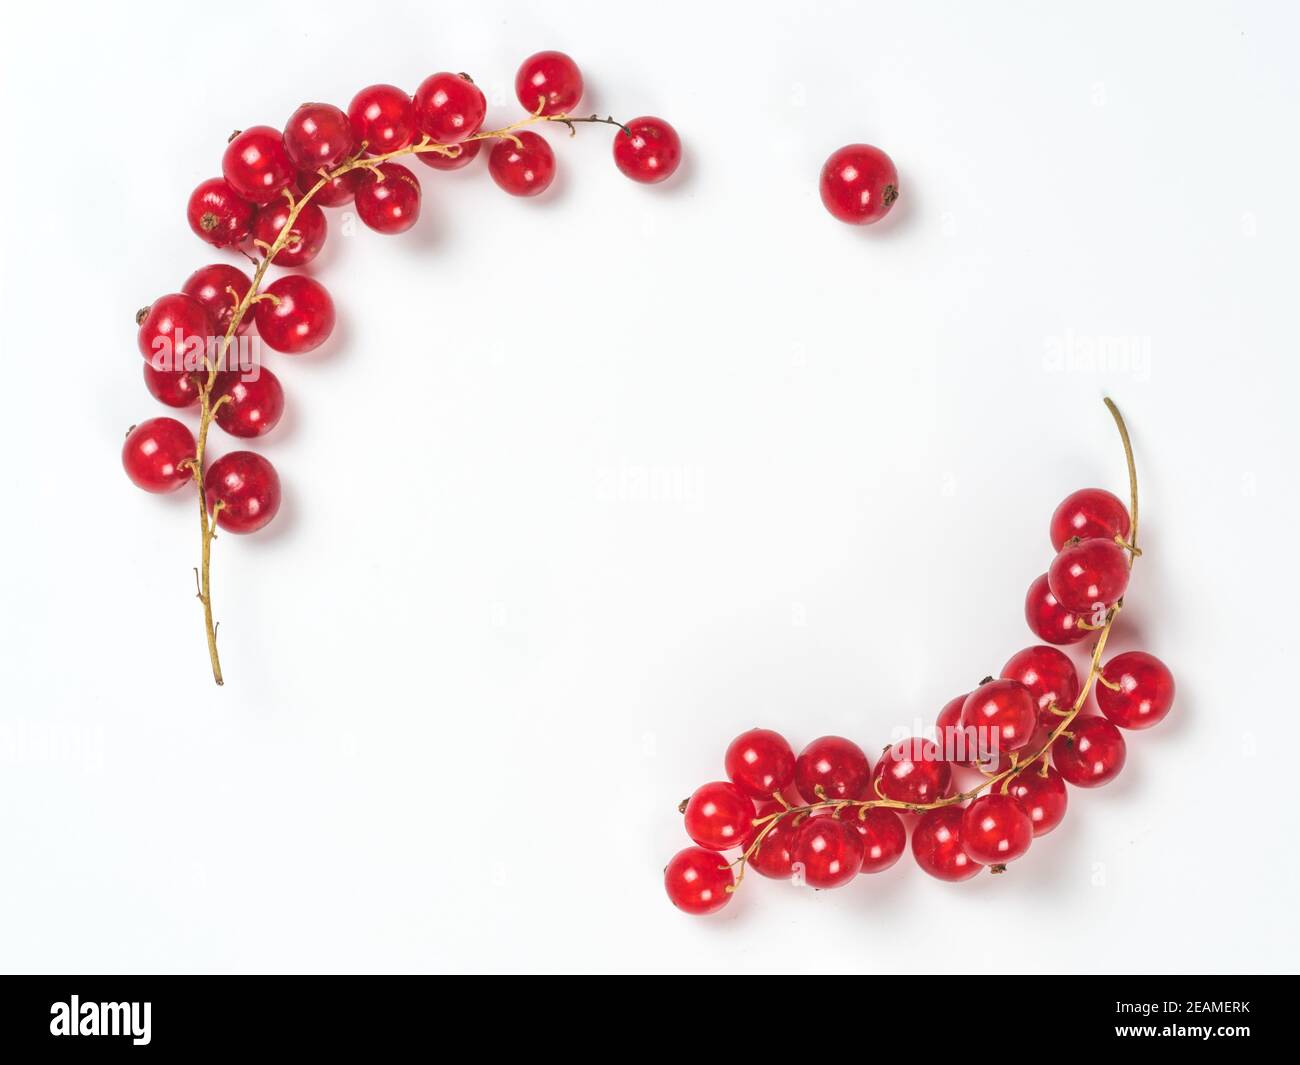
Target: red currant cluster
pixel 827 815
pixel 267 205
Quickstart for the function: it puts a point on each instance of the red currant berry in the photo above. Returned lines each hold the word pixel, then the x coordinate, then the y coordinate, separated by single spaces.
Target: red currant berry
pixel 390 204
pixel 1043 798
pixel 468 152
pixel 176 388
pixel 774 857
pixel 884 838
pixel 384 117
pixel 298 316
pixel 859 184
pixel 1089 575
pixel 549 80
pixel 250 407
pixel 1003 714
pixel 760 763
pixel 306 238
pixel 828 852
pixel 212 286
pixel 523 169
pixel 248 489
pixel 1050 677
pixel 1092 755
pixel 256 165
pixel 936 845
pixel 1047 619
pixel 153 453
pixel 995 830
pixel 1144 694
pixel 698 881
pixel 219 215
pixel 335 192
pixel 912 771
pixel 449 107
pixel 174 331
pixel 718 816
pixel 1087 514
pixel 956 744
pixel 318 135
pixel 834 764
pixel 649 151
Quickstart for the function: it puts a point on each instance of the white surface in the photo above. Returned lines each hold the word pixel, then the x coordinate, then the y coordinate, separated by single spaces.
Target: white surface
pixel 588 485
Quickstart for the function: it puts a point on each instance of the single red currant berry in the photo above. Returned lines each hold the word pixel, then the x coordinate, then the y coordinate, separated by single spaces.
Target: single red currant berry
pixel 174 331
pixel 549 81
pixel 306 238
pixel 1050 677
pixel 1093 753
pixel 1135 690
pixel 219 215
pixel 774 857
pixel 1043 798
pixel 335 192
pixel 911 771
pixel 153 453
pixel 647 150
pixel 835 765
pixel 318 135
pixel 468 152
pixel 995 830
pixel 1047 619
pixel 297 316
pixel 523 169
pixel 956 744
pixel 760 763
pixel 256 165
pixel 884 838
pixel 698 882
pixel 384 117
pixel 937 847
pixel 718 816
pixel 1088 514
pixel 828 852
pixel 248 407
pixel 1089 575
pixel 1003 714
pixel 248 489
pixel 391 203
pixel 859 184
pixel 220 288
pixel 449 107
pixel 176 388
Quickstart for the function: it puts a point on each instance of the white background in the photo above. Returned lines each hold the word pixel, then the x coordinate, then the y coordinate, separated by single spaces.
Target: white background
pixel 589 484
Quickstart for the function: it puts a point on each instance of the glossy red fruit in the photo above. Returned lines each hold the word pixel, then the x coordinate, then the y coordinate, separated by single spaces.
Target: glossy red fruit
pixel 937 845
pixel 958 745
pixel 248 489
pixel 256 165
pixel 1088 576
pixel 549 80
pixel 698 881
pixel 174 332
pixel 449 107
pixel 306 238
pixel 836 765
pixel 298 317
pixel 718 816
pixel 774 857
pixel 912 771
pixel 1089 513
pixel 995 830
pixel 884 837
pixel 212 286
pixel 219 215
pixel 760 762
pixel 649 152
pixel 335 192
pixel 319 135
pixel 827 852
pixel 468 153
pixel 1047 619
pixel 153 453
pixel 1003 714
pixel 1144 692
pixel 176 388
pixel 248 407
pixel 1043 798
pixel 391 204
pixel 1050 677
pixel 859 184
pixel 384 117
pixel 523 169
pixel 1092 755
